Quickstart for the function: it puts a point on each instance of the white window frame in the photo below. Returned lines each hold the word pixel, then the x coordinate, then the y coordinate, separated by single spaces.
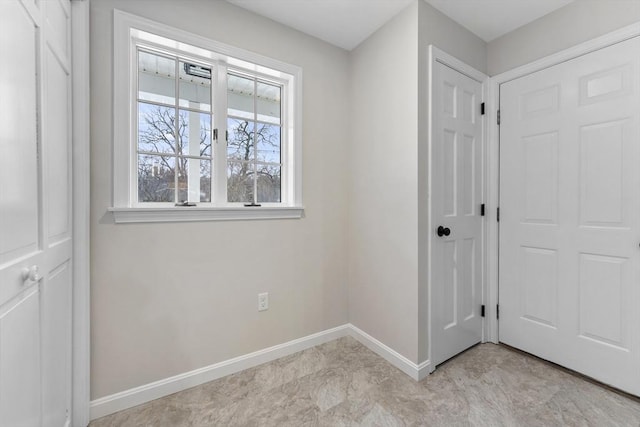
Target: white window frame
pixel 131 32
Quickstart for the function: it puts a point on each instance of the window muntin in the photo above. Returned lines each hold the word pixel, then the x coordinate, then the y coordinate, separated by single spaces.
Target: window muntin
pixel 174 155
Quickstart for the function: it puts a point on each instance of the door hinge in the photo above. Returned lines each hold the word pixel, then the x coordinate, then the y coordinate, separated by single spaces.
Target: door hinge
pixel 482 209
pixel 498 117
pixel 497 311
pixel 482 109
pixel 482 310
pixel 498 214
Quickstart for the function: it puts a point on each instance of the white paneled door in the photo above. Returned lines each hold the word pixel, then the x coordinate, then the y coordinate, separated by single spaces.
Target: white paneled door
pixel 570 214
pixel 457 242
pixel 35 213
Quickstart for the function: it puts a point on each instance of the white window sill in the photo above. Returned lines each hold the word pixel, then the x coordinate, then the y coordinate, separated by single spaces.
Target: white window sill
pixel 190 214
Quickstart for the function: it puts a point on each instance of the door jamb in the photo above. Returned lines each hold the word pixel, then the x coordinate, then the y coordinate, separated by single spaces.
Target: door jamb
pixel 493 148
pixel 437 55
pixel 80 81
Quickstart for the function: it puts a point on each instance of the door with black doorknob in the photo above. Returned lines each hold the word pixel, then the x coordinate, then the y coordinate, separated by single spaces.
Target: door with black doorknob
pixel 456 248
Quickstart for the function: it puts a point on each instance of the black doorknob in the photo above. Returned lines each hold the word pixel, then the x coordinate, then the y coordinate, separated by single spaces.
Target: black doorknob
pixel 443 231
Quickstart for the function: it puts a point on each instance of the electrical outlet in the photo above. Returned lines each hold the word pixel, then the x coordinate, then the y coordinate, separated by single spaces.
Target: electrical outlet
pixel 263 301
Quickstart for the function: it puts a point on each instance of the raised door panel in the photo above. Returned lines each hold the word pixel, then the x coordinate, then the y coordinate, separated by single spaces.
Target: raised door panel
pixel 604 283
pixel 468 279
pixel 602 170
pixel 469 106
pixel 538 285
pixel 449 99
pixel 540 173
pixel 19 192
pixel 20 361
pixel 606 84
pixel 56 348
pixel 540 102
pixel 449 300
pixel 468 190
pixel 450 172
pixel 57 144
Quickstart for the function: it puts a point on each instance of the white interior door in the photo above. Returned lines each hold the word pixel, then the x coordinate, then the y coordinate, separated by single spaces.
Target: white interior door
pixel 457 186
pixel 35 214
pixel 570 214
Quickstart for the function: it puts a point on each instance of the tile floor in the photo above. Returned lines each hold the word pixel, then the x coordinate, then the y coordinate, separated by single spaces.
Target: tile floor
pixel 342 383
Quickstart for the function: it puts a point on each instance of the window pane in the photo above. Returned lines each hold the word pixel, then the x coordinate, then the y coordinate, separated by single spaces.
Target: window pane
pixel 195 134
pixel 241 144
pixel 194 180
pixel 268 103
pixel 268 183
pixel 195 86
pixel 240 91
pixel 183 183
pixel 240 182
pixel 156 78
pixel 156 178
pixel 268 143
pixel 205 179
pixel 156 126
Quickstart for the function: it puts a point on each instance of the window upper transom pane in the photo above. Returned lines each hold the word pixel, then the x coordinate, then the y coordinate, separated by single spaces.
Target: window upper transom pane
pixel 156 78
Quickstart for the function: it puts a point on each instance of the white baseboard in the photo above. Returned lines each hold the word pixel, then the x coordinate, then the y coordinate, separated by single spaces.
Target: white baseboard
pixel 155 390
pixel 415 371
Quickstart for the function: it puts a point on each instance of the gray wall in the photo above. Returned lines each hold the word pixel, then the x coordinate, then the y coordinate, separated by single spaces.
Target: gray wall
pixel 169 298
pixel 573 24
pixel 388 173
pixel 383 213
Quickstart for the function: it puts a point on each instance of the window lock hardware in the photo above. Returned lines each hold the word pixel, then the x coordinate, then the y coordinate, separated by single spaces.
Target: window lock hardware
pixel 215 135
pixel 252 205
pixel 186 204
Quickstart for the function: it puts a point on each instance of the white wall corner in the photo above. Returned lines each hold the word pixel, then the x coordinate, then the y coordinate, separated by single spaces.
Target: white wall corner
pixel 136 396
pixel 415 371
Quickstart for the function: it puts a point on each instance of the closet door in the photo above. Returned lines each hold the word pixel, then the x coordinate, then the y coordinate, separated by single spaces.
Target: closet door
pixel 35 214
pixel 570 214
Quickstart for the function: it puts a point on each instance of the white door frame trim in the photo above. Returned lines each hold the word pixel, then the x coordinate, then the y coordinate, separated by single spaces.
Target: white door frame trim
pixel 80 79
pixel 437 55
pixel 493 148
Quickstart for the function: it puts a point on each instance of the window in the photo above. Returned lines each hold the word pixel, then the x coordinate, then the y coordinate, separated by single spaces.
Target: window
pixel 210 132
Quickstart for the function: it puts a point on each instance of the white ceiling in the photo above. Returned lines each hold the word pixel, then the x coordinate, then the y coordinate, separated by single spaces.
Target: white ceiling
pixel 346 23
pixel 343 23
pixel 490 19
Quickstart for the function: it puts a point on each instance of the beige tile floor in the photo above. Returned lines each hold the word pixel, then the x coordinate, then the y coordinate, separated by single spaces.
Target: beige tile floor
pixel 342 383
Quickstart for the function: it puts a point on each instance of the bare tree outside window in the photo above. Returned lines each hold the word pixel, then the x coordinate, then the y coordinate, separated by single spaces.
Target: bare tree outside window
pixel 162 155
pixel 174 141
pixel 253 153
